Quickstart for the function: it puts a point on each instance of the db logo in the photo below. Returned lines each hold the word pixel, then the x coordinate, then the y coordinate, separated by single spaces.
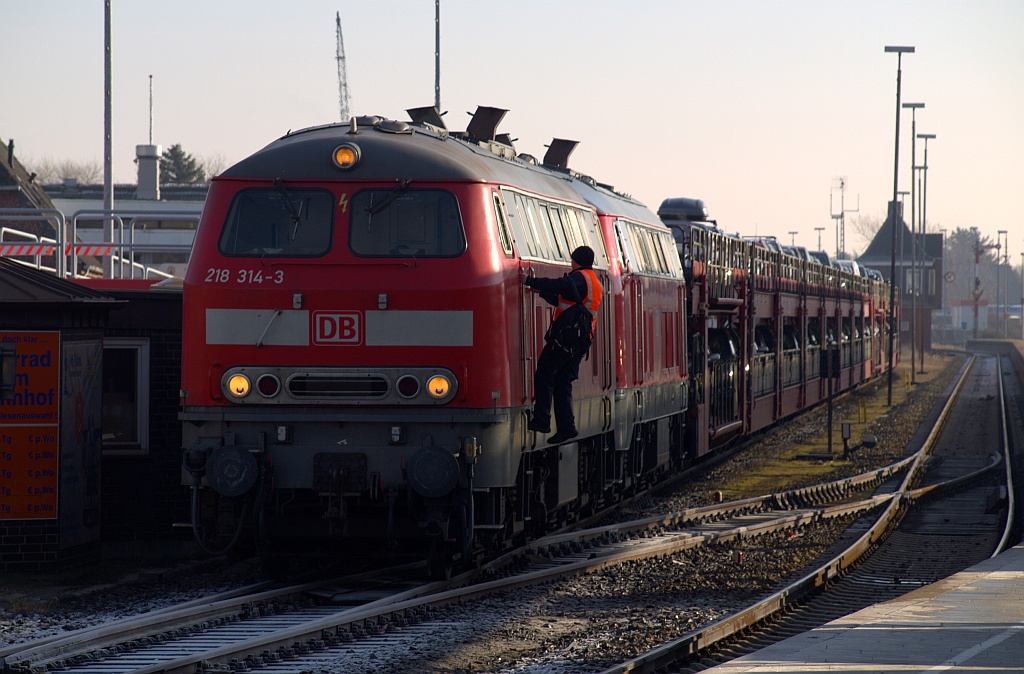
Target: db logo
pixel 336 327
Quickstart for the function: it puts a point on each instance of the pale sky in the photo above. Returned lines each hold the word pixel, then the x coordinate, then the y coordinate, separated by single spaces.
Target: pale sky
pixel 758 107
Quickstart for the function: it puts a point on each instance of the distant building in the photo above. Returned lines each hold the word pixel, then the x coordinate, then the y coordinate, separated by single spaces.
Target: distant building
pixel 157 221
pixel 18 190
pixel 926 283
pixel 171 220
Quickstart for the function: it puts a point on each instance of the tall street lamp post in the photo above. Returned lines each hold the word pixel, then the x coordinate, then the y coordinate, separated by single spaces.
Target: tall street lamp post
pixel 915 279
pixel 924 211
pixel 1004 248
pixel 1006 285
pixel 819 230
pixel 899 51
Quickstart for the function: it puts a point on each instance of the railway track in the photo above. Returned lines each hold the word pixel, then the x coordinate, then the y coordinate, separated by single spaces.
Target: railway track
pixel 274 624
pixel 949 513
pixel 286 628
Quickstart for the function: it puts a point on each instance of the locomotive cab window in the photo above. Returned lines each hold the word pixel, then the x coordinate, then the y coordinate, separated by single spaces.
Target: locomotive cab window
pixel 502 224
pixel 405 223
pixel 278 222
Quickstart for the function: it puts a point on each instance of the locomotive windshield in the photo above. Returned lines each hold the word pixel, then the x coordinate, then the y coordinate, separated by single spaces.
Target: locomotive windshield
pixel 405 223
pixel 278 222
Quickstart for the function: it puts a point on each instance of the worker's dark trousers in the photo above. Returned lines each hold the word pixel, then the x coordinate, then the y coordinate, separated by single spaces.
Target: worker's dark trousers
pixel 556 371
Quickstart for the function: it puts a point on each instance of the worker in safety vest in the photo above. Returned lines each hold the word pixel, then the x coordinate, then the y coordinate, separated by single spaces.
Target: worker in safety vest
pixel 557 367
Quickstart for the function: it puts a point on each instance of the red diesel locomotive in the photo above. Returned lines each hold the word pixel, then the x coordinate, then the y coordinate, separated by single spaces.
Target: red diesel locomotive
pixel 359 347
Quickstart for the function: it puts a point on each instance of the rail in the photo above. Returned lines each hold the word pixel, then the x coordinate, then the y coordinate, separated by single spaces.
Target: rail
pixel 1005 541
pixel 610 545
pixel 708 635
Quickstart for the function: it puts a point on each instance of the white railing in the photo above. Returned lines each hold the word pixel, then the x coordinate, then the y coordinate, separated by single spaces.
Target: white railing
pixel 66 249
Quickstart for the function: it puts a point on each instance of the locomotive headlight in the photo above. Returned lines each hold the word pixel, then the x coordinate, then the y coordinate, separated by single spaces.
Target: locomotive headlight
pixel 268 385
pixel 408 386
pixel 239 385
pixel 438 386
pixel 346 156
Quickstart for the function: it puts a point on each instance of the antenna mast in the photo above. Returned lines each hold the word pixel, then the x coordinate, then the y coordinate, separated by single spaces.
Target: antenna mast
pixel 342 78
pixel 840 217
pixel 150 109
pixel 437 55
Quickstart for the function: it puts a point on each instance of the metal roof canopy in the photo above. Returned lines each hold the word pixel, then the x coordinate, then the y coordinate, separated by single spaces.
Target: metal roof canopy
pixel 32 299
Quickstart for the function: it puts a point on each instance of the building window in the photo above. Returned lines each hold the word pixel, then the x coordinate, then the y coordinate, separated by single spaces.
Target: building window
pixel 7 379
pixel 913 285
pixel 125 396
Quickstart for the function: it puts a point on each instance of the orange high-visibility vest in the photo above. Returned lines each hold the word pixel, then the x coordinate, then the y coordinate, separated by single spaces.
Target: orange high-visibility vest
pixel 591 301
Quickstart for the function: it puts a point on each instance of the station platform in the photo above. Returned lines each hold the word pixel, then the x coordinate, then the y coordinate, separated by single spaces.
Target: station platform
pixel 972 621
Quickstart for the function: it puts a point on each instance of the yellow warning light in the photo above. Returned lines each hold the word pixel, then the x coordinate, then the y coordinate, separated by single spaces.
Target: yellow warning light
pixel 238 385
pixel 346 156
pixel 438 386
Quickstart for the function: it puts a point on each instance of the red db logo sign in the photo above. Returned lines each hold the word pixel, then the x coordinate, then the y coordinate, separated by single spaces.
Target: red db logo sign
pixel 336 327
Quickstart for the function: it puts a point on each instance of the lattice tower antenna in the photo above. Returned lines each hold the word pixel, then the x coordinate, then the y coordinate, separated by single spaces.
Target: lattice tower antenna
pixel 342 77
pixel 840 217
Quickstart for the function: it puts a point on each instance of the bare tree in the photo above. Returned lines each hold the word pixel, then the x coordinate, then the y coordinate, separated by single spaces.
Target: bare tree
pixel 214 164
pixel 50 171
pixel 866 226
pixel 958 264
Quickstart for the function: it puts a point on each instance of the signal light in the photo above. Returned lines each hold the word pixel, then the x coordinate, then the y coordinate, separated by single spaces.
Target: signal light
pixel 346 156
pixel 239 385
pixel 438 386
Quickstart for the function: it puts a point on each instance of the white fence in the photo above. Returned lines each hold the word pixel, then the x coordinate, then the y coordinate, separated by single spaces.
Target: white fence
pixel 118 254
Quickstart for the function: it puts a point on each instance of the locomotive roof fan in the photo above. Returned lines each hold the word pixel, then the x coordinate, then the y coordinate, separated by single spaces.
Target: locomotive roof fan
pixel 484 125
pixel 558 152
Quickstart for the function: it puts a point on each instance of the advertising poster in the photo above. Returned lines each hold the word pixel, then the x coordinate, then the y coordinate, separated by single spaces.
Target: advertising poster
pixel 29 428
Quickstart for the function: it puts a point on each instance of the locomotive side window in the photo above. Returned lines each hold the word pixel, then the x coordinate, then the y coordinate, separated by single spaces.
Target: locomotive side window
pixel 550 231
pixel 503 234
pixel 406 223
pixel 637 241
pixel 573 231
pixel 552 223
pixel 541 232
pixel 626 246
pixel 278 222
pixel 669 254
pixel 537 244
pixel 518 223
pixel 593 237
pixel 649 251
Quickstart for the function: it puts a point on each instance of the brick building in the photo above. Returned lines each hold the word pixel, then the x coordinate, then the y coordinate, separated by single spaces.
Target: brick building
pixel 919 284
